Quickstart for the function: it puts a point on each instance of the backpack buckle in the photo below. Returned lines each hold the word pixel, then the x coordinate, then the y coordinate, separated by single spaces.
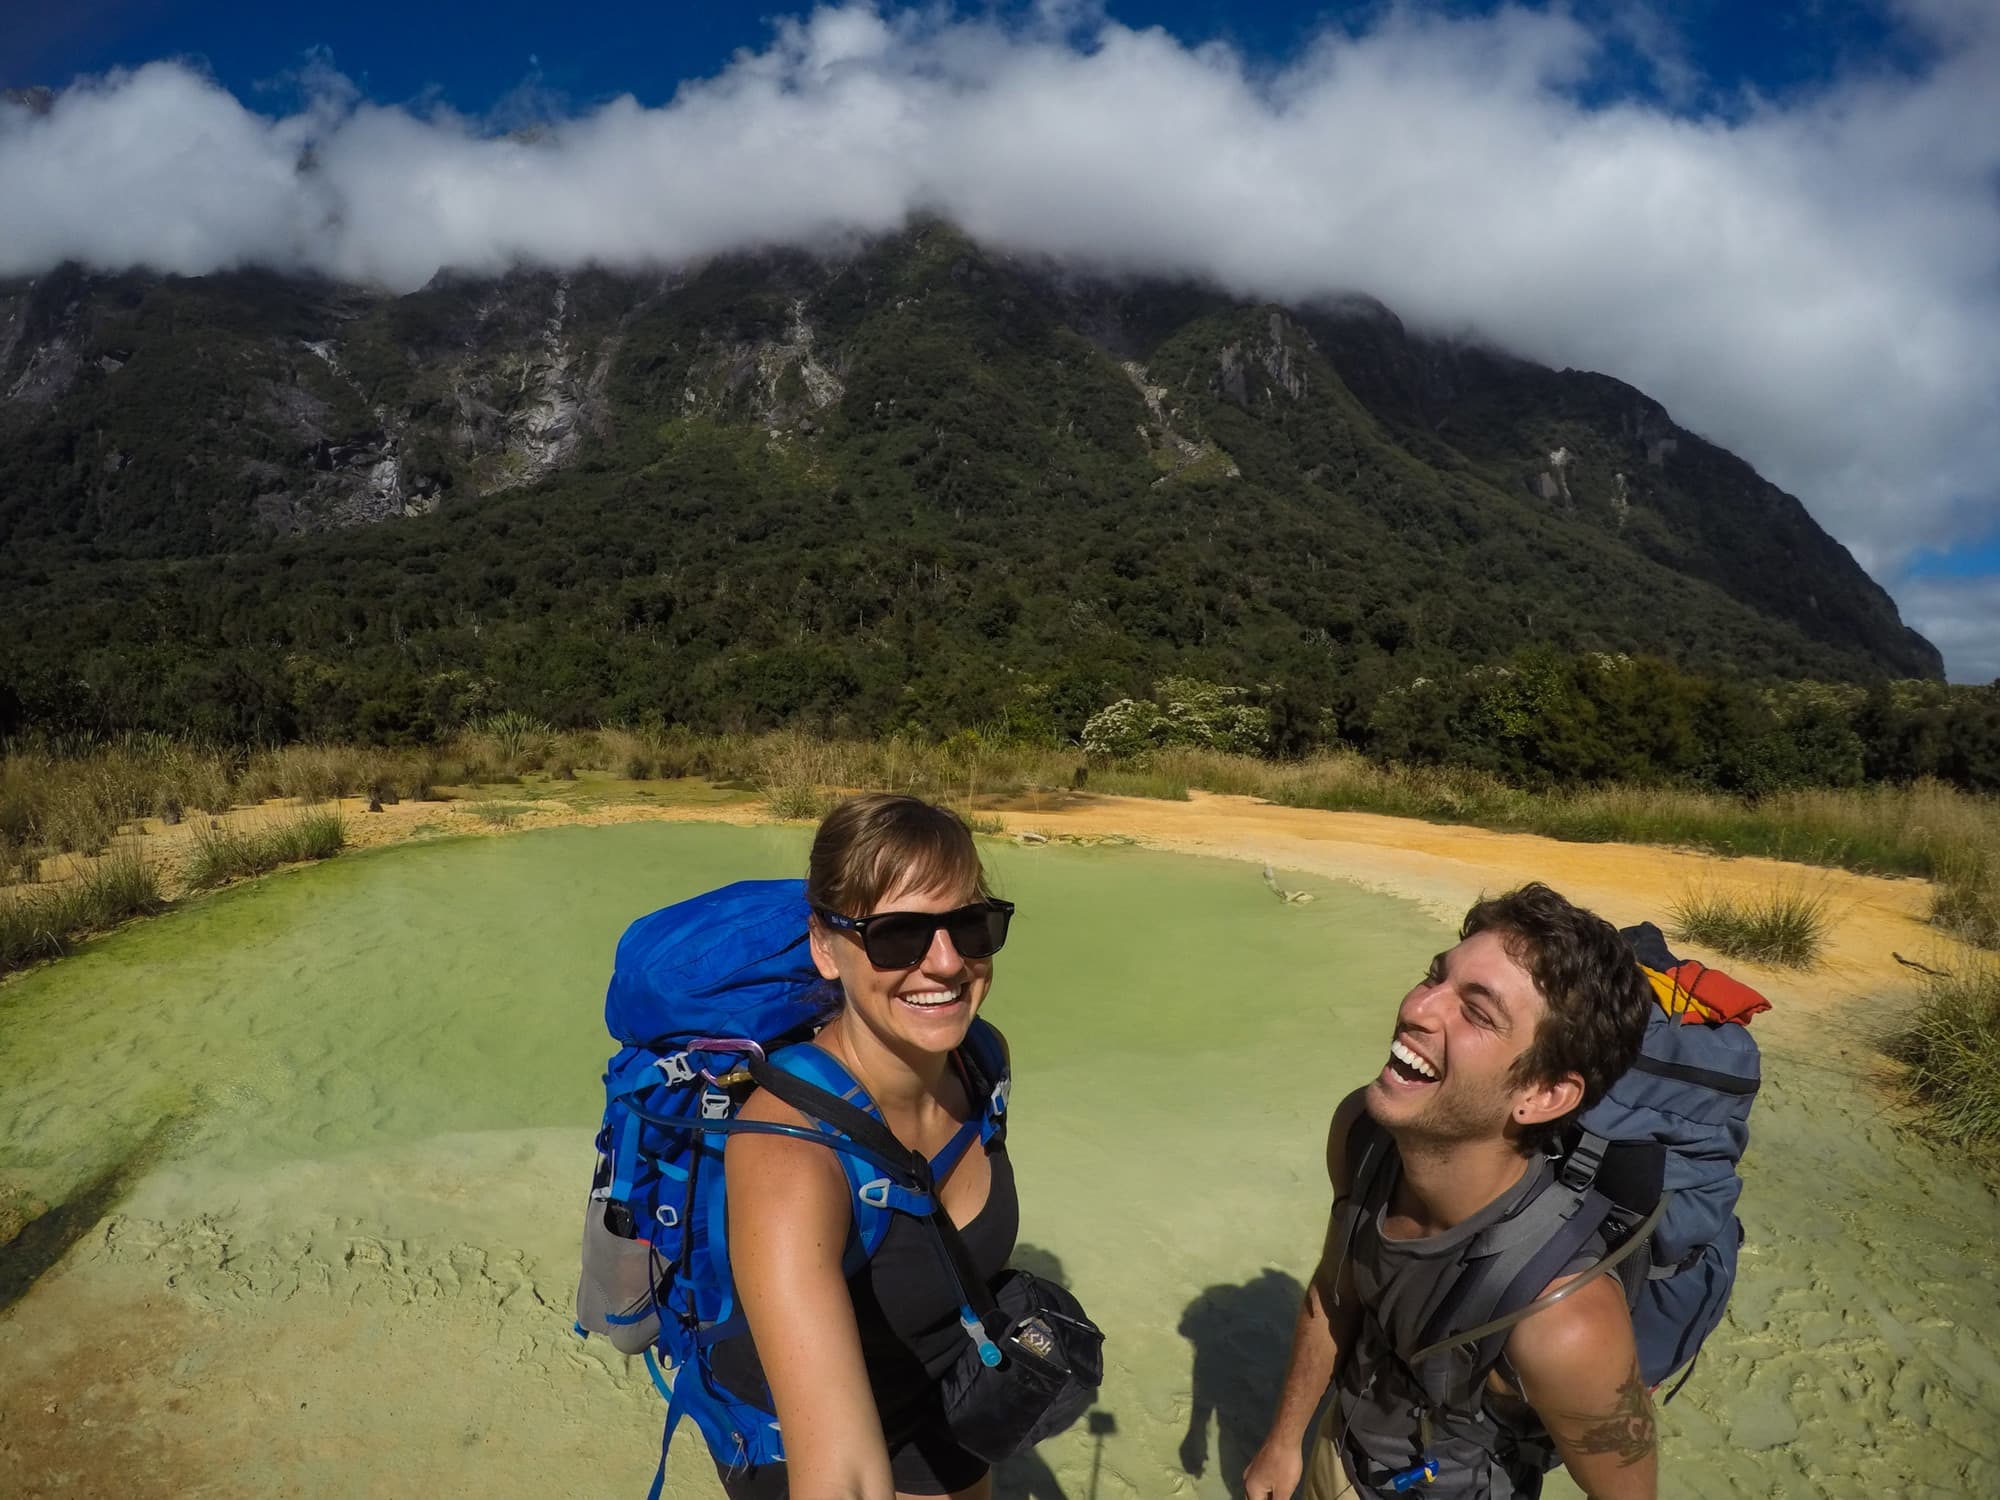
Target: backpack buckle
pixel 1579 1168
pixel 875 1194
pixel 677 1068
pixel 714 1105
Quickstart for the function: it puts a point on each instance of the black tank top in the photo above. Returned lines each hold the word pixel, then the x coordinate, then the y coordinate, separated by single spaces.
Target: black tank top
pixel 906 1308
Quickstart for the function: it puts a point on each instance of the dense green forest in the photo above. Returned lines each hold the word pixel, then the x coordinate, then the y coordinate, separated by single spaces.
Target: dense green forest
pixel 922 489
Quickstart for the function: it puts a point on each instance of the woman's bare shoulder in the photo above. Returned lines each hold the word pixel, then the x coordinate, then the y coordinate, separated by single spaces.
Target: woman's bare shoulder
pixel 786 1166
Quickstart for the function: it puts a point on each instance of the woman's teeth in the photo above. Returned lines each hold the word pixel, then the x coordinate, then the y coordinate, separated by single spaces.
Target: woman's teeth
pixel 930 999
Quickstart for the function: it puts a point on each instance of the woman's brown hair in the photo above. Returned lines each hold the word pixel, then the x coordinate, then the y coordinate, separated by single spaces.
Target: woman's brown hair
pixel 871 843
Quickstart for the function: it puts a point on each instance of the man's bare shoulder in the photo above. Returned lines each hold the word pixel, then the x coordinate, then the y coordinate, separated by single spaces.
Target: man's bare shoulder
pixel 1580 1371
pixel 1579 1341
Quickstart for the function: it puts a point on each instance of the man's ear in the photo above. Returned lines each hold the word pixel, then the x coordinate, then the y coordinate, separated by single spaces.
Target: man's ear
pixel 822 948
pixel 1539 1103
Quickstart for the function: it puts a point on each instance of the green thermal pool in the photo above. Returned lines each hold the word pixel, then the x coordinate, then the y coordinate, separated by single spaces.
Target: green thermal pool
pixel 301 1170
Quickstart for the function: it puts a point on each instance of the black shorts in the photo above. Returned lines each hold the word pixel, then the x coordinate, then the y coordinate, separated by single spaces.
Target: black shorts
pixel 926 1463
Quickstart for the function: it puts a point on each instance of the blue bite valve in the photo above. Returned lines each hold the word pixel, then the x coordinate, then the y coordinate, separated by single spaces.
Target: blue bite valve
pixel 989 1352
pixel 1424 1473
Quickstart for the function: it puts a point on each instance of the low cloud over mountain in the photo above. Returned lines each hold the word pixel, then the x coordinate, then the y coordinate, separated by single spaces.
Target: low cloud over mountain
pixel 1814 283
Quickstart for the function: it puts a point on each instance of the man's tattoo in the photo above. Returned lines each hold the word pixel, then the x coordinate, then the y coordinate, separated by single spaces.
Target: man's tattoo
pixel 1626 1430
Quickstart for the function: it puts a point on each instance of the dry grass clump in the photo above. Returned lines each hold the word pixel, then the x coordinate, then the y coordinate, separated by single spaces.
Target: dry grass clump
pixel 1781 924
pixel 799 777
pixel 222 854
pixel 1966 899
pixel 1952 1047
pixel 48 922
pixel 498 814
pixel 321 773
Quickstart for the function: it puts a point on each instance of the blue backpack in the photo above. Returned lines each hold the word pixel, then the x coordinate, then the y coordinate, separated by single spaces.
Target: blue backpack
pixel 1688 1095
pixel 713 998
pixel 1651 1168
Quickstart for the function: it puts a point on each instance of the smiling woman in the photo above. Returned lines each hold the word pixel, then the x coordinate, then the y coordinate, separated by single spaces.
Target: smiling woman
pixel 855 1358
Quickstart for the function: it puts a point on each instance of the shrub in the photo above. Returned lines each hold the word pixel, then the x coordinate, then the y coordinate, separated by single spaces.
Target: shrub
pixel 1952 1049
pixel 1783 924
pixel 515 734
pixel 1184 713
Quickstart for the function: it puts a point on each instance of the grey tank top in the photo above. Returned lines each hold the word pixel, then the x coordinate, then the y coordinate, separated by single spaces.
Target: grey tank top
pixel 1486 1447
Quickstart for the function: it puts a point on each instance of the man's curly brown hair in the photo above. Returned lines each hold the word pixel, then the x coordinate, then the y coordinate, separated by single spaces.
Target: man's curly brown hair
pixel 1597 1000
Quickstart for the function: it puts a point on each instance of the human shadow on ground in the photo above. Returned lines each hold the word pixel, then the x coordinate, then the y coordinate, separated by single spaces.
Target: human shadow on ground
pixel 1242 1336
pixel 1028 1477
pixel 45 1234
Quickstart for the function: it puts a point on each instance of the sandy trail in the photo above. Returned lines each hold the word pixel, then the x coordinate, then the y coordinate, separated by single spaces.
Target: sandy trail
pixel 1447 867
pixel 396 1322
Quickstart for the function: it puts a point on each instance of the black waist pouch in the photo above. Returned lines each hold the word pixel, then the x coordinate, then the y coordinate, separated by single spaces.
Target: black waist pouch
pixel 1051 1364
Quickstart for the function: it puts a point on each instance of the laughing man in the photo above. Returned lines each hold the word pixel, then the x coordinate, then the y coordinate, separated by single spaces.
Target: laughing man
pixel 1510 1033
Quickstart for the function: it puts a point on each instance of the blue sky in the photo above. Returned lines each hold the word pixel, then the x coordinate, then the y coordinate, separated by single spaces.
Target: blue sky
pixel 1780 220
pixel 476 56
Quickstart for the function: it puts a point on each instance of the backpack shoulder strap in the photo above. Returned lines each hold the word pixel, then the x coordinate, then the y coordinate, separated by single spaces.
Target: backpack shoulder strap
pixel 990 1079
pixel 885 1175
pixel 1370 1160
pixel 1508 1267
pixel 1369 1157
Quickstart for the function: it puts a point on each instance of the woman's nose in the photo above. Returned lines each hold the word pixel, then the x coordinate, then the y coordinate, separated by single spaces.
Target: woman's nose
pixel 942 958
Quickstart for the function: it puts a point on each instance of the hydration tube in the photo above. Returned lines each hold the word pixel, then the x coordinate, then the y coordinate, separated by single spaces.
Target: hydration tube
pixel 1610 1262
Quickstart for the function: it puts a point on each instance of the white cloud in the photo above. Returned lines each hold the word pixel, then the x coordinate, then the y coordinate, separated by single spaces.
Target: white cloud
pixel 1815 284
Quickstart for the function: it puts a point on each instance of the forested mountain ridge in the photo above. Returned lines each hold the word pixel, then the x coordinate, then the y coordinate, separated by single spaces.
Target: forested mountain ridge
pixel 920 483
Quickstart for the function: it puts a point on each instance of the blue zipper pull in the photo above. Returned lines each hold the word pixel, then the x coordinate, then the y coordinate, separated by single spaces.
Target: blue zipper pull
pixel 1424 1473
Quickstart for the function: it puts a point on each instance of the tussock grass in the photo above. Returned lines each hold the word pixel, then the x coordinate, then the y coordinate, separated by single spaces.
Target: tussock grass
pixel 799 777
pixel 799 800
pixel 1926 829
pixel 50 921
pixel 497 814
pixel 1952 1047
pixel 1966 899
pixel 1781 924
pixel 57 798
pixel 224 854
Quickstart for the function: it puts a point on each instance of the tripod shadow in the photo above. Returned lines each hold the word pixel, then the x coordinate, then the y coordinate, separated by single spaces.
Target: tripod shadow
pixel 1028 1477
pixel 1241 1336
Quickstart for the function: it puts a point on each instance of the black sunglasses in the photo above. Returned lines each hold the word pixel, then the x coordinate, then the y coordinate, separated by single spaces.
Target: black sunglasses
pixel 900 939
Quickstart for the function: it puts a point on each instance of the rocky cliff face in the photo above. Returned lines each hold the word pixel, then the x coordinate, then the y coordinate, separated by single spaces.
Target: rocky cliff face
pixel 292 406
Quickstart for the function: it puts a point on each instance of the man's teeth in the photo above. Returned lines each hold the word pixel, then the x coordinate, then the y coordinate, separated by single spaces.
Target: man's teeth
pixel 933 998
pixel 1410 1059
